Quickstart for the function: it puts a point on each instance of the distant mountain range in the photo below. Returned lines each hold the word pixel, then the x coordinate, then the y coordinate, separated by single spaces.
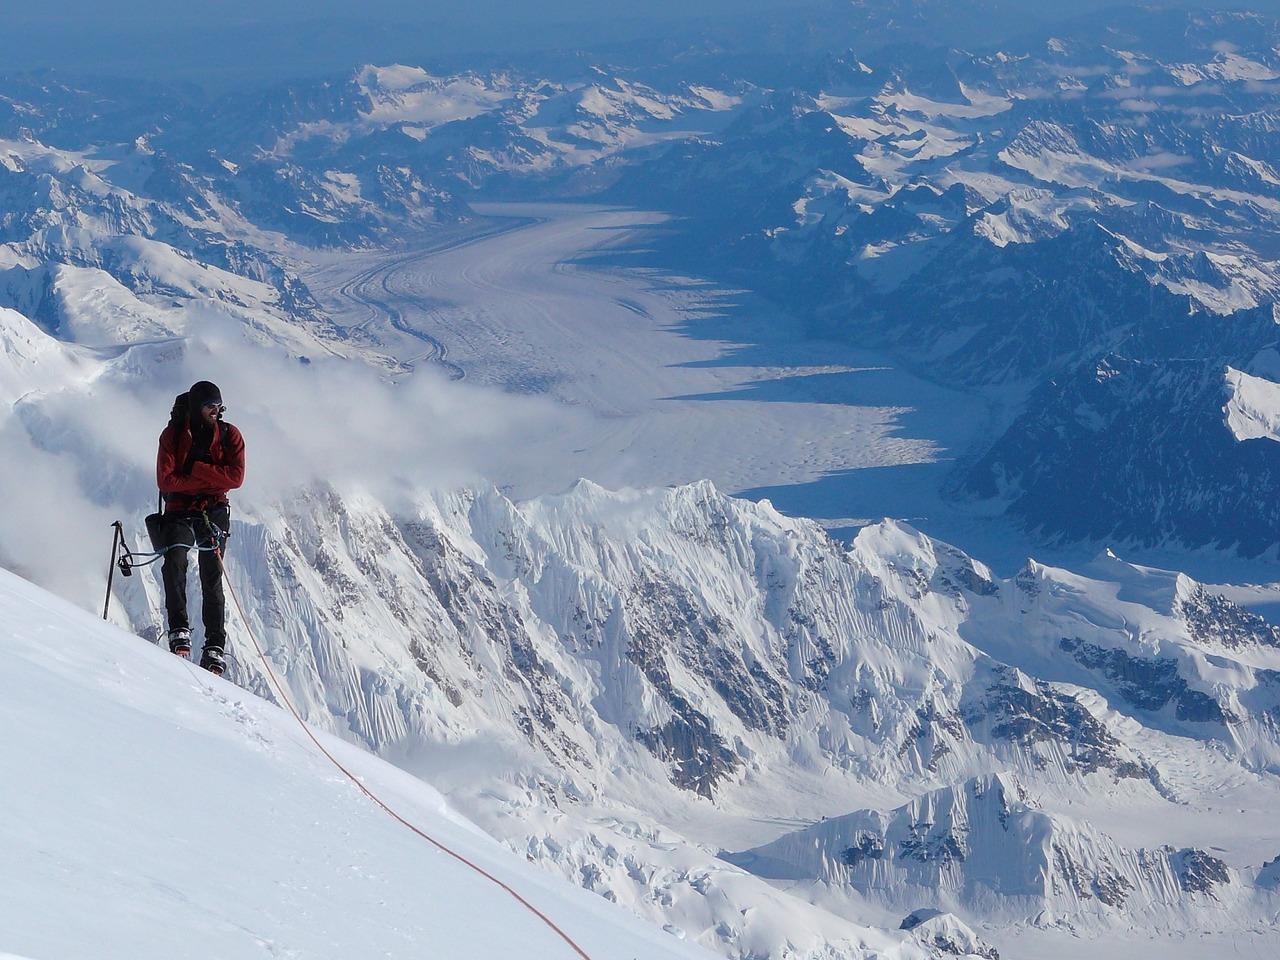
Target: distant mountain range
pixel 628 686
pixel 1102 193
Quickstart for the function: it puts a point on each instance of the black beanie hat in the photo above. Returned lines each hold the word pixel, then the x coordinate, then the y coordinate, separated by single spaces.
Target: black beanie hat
pixel 201 393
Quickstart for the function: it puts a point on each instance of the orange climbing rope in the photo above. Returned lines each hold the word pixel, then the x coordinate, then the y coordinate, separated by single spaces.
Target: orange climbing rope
pixel 288 703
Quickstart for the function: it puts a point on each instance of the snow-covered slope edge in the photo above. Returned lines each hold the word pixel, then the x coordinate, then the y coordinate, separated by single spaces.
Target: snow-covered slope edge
pixel 152 811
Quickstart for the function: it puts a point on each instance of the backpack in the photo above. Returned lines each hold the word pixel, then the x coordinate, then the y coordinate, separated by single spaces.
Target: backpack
pixel 180 412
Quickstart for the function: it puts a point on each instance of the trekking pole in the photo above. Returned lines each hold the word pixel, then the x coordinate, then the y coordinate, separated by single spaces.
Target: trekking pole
pixel 124 561
pixel 117 537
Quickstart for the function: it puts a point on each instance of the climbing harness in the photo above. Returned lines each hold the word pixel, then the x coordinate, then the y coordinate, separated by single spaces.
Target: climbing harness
pixel 127 560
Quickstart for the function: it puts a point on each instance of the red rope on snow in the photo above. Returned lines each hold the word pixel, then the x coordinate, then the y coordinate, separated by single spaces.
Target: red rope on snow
pixel 284 698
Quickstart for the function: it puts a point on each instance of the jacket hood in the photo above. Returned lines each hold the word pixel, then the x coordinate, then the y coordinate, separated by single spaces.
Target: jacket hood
pixel 201 393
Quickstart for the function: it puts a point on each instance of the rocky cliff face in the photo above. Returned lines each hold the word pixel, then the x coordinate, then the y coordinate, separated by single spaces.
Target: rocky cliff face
pixel 1136 449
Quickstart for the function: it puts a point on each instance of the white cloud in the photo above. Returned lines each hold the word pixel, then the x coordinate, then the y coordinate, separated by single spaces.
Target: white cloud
pixel 342 422
pixel 80 452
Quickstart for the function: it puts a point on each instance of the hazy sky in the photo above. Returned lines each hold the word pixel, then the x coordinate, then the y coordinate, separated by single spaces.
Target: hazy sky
pixel 221 37
pixel 223 10
pixel 226 42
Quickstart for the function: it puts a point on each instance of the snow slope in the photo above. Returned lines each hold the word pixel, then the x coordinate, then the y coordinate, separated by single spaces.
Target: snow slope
pixel 153 811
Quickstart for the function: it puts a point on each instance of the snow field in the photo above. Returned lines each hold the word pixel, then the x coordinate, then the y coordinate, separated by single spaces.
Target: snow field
pixel 661 379
pixel 153 811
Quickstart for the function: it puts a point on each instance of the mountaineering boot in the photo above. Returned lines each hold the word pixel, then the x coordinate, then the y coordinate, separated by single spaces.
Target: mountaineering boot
pixel 213 660
pixel 180 641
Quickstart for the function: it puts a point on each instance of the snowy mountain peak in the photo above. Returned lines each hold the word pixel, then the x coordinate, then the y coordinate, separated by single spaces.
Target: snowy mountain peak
pixel 985 843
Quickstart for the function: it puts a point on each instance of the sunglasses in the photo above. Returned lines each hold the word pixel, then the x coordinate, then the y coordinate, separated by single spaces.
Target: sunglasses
pixel 214 405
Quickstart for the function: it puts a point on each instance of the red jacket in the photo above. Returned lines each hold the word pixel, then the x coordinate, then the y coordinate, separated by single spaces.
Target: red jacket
pixel 207 482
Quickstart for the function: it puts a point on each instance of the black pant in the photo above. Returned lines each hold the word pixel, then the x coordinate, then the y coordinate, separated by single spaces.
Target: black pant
pixel 181 532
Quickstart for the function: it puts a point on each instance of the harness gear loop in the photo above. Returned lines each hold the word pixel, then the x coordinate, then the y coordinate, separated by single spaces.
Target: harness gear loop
pixel 217 536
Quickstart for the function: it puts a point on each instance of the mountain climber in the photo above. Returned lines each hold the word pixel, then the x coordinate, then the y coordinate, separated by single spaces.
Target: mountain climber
pixel 201 458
